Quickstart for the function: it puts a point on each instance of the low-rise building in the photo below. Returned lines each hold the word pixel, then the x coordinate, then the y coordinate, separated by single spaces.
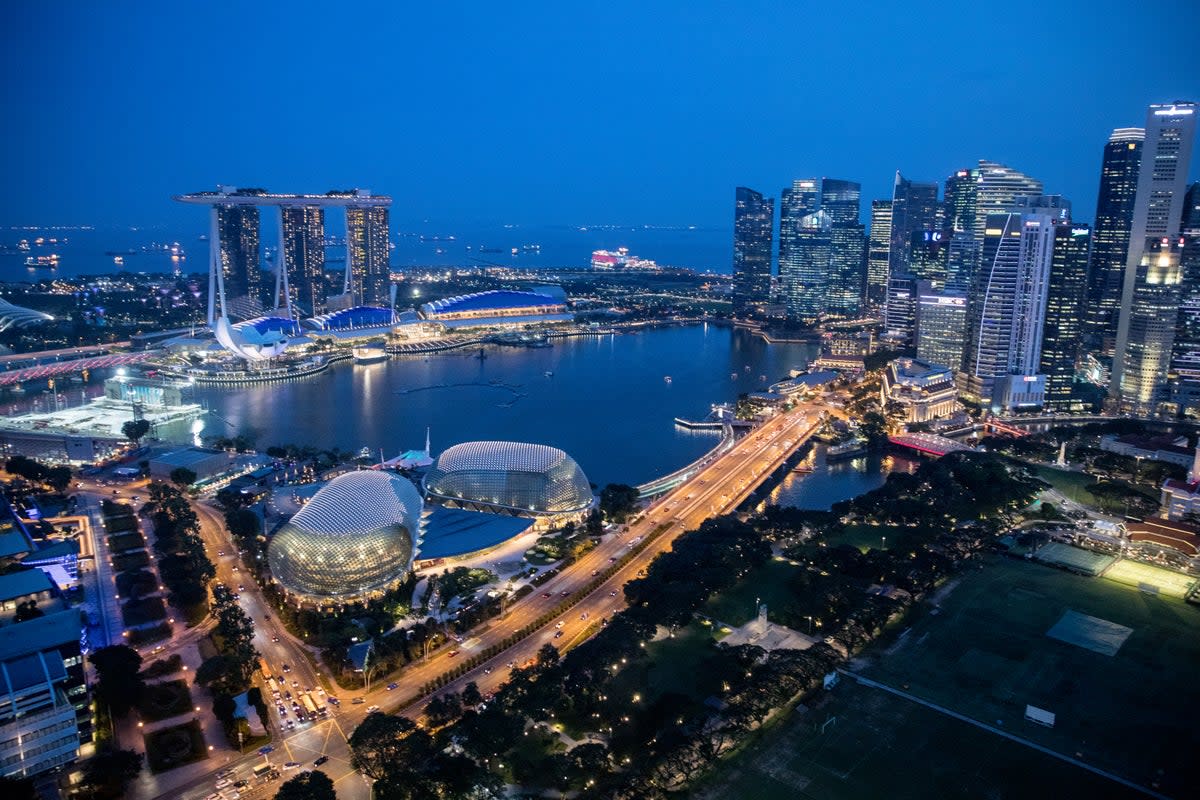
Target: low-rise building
pixel 1180 536
pixel 926 391
pixel 1170 448
pixel 27 586
pixel 205 463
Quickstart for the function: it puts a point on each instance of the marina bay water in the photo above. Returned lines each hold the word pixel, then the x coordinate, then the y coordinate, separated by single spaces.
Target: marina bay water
pixel 606 401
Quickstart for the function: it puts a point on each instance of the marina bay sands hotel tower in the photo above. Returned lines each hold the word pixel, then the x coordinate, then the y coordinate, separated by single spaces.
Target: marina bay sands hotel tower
pixel 237 286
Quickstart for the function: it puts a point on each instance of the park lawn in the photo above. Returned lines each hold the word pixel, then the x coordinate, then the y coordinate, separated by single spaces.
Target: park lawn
pixel 868 537
pixel 142 636
pixel 766 584
pixel 880 745
pixel 120 524
pixel 175 746
pixel 164 700
pixel 986 654
pixel 136 582
pixel 1073 486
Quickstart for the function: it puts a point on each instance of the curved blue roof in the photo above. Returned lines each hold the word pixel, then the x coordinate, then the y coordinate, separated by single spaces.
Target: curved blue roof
pixel 357 317
pixel 497 299
pixel 265 324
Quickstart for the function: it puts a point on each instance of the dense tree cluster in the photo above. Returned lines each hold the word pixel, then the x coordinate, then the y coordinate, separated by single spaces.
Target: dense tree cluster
pixel 229 671
pixel 183 563
pixel 120 683
pixel 57 478
pixel 618 502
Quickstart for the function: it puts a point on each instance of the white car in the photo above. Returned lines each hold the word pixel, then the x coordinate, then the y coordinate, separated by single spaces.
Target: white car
pixel 372 709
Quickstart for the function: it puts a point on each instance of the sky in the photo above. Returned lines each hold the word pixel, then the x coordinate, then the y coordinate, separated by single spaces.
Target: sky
pixel 566 112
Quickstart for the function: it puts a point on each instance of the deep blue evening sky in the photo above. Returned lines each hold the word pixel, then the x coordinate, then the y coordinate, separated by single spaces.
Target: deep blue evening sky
pixel 563 112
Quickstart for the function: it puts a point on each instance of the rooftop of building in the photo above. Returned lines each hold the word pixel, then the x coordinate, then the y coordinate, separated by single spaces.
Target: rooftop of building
pixel 914 369
pixel 21 584
pixel 497 300
pixel 42 633
pixel 453 532
pixel 351 318
pixel 187 457
pixel 30 670
pixel 13 542
pixel 1166 442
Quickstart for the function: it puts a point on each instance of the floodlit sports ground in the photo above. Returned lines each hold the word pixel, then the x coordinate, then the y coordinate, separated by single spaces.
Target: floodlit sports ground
pixel 1150 578
pixel 1005 636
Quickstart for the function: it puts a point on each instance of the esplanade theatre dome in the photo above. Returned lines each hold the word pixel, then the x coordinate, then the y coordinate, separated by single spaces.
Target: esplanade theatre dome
pixel 527 479
pixel 355 537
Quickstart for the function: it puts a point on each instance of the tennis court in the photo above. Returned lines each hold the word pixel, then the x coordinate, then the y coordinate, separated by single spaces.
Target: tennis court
pixel 1095 634
pixel 1150 579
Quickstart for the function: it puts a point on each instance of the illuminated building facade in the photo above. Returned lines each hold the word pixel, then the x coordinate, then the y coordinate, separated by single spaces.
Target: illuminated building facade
pixel 753 223
pixel 1149 328
pixel 303 249
pixel 1062 335
pixel 941 326
pixel 241 252
pixel 367 254
pixel 877 253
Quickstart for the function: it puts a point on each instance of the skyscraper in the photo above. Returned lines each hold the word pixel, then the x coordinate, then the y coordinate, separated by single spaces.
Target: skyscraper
pixel 1007 310
pixel 840 200
pixel 1110 239
pixel 753 221
pixel 367 251
pixel 303 249
pixel 796 202
pixel 847 258
pixel 805 273
pixel 1149 327
pixel 1063 330
pixel 914 208
pixel 959 201
pixel 997 188
pixel 941 326
pixel 238 227
pixel 1157 214
pixel 927 253
pixel 1184 376
pixel 877 253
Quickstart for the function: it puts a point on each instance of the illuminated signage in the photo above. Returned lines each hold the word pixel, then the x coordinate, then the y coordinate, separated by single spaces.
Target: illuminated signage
pixel 1080 231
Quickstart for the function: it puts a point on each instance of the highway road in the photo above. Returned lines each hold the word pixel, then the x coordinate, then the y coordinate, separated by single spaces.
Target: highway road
pixel 718 488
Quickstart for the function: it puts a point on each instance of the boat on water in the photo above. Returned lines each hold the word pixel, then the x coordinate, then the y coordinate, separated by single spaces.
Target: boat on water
pixel 548 373
pixel 370 354
pixel 42 262
pixel 803 469
pixel 847 449
pixel 119 260
pixel 667 378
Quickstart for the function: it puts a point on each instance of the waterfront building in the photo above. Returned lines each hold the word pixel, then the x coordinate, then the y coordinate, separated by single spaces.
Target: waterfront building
pixel 753 223
pixel 914 208
pixel 241 253
pixel 1119 169
pixel 46 711
pixel 941 325
pixel 14 316
pixel 300 262
pixel 797 205
pixel 1063 329
pixel 877 253
pixel 1147 334
pixel 540 305
pixel 303 249
pixel 997 188
pixel 1157 214
pixel 367 256
pixel 204 462
pixel 926 391
pixel 1007 310
pixel 512 478
pixel 146 391
pixel 355 539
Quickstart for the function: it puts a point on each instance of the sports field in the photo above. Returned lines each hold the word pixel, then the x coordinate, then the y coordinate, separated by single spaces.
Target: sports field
pixel 1149 578
pixel 881 746
pixel 1015 632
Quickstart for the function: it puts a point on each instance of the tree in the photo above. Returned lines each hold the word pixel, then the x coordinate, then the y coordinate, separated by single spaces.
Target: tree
pixel 242 523
pixel 109 772
pixel 383 743
pixel 183 477
pixel 58 478
pixel 135 429
pixel 471 695
pixel 224 708
pixel 13 788
pixel 120 684
pixel 313 785
pixel 27 611
pixel 547 656
pixel 618 501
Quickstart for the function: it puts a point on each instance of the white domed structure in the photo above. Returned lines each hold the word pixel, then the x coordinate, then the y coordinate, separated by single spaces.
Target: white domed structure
pixel 513 477
pixel 355 538
pixel 256 339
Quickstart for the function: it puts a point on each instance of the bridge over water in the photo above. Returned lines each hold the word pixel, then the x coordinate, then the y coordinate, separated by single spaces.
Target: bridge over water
pixel 55 368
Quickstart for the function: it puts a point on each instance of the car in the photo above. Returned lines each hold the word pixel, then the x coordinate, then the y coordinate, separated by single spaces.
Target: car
pixel 612 559
pixel 546 595
pixel 393 686
pixel 453 653
pixel 583 615
pixel 358 701
pixel 262 751
pixel 372 709
pixel 274 638
pixel 221 784
pixel 295 684
pixel 595 572
pixel 242 784
pixel 559 624
pixel 220 552
pixel 565 593
pixel 333 700
pixel 487 670
pixel 613 593
pixel 291 724
pixel 558 634
pixel 225 773
pixel 241 588
pixel 291 765
pixel 288 695
pixel 320 761
pixel 511 664
pixel 286 668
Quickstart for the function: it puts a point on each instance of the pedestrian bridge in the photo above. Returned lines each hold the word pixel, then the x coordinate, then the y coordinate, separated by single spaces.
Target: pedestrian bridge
pixel 929 443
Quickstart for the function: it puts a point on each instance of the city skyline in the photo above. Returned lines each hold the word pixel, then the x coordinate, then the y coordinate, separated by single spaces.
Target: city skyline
pixel 180 132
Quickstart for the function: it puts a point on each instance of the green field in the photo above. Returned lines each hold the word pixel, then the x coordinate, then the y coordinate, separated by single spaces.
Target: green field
pixel 1146 576
pixel 881 746
pixel 1076 558
pixel 766 584
pixel 1072 485
pixel 986 654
